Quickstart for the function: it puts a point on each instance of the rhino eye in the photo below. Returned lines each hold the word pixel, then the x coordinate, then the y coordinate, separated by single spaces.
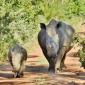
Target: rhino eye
pixel 58 25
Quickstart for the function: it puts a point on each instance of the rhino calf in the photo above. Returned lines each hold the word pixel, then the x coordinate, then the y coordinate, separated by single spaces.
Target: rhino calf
pixel 17 56
pixel 55 40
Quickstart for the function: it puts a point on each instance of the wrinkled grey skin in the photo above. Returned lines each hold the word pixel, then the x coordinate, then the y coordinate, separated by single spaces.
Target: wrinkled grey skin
pixel 17 56
pixel 55 40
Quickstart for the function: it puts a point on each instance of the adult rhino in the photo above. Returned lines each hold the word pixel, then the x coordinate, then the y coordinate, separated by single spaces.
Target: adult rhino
pixel 55 40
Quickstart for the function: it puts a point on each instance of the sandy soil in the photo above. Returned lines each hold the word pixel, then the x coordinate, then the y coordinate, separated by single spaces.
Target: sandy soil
pixel 36 72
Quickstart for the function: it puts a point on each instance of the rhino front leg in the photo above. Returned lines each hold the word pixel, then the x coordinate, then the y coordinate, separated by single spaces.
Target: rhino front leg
pixel 52 64
pixel 63 59
pixel 60 57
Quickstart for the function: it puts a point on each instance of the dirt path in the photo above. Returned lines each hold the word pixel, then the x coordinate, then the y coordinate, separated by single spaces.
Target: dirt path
pixel 37 74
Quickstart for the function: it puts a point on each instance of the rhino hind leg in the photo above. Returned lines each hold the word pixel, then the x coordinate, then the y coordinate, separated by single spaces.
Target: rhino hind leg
pixel 19 73
pixel 22 68
pixel 62 64
pixel 16 75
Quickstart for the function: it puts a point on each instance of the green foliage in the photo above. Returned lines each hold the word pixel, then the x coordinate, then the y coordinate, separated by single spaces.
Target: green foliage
pixel 19 19
pixel 81 54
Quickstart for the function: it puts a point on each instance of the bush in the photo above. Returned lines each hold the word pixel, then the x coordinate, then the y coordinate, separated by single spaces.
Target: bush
pixel 19 19
pixel 81 54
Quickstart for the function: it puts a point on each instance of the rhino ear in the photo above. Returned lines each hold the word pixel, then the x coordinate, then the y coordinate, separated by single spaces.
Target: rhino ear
pixel 42 26
pixel 58 25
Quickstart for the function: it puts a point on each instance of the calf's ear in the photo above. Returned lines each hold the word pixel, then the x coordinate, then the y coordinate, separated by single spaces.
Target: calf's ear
pixel 42 26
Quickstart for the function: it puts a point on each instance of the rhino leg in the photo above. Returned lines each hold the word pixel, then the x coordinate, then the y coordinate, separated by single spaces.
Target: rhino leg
pixel 60 57
pixel 22 68
pixel 52 64
pixel 62 65
pixel 50 60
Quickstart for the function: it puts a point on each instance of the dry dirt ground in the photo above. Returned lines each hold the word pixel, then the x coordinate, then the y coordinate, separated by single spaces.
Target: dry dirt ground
pixel 36 72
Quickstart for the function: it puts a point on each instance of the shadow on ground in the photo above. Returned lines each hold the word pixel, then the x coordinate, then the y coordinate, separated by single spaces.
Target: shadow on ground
pixel 37 69
pixel 6 75
pixel 73 54
pixel 80 75
pixel 32 56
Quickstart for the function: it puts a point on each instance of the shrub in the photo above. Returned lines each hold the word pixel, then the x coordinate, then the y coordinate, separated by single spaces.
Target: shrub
pixel 19 19
pixel 81 54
